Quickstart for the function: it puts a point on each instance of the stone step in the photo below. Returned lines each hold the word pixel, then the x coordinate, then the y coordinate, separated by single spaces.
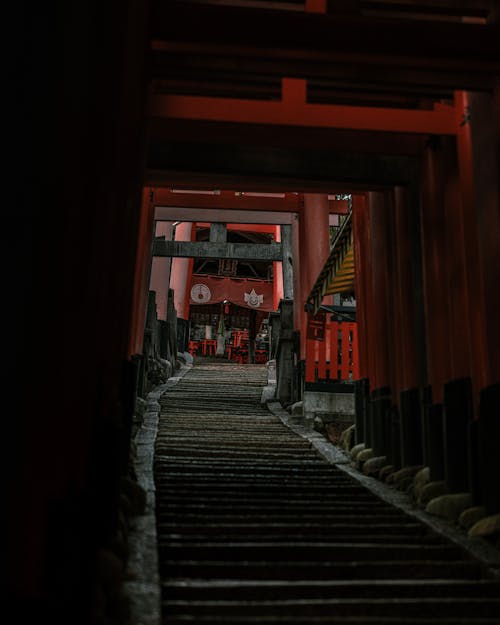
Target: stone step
pixel 421 607
pixel 312 570
pixel 258 590
pixel 254 526
pixel 316 550
pixel 414 530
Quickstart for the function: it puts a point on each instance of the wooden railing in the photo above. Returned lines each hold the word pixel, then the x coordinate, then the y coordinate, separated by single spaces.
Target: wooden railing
pixel 336 356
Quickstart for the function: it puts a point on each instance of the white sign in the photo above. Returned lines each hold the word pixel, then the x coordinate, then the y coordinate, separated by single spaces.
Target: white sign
pixel 200 293
pixel 254 300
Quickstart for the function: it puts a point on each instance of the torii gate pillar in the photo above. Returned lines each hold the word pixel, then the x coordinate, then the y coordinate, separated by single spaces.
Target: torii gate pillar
pixel 314 247
pixel 181 272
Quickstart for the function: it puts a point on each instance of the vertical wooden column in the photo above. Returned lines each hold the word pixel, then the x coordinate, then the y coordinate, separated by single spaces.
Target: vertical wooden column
pixel 362 258
pixel 478 144
pixel 383 342
pixel 277 274
pixel 218 233
pixel 380 308
pixel 287 263
pixel 455 261
pixel 142 272
pixel 479 163
pixel 436 298
pixel 182 269
pixel 160 271
pixel 298 306
pixel 364 318
pixel 400 273
pixel 314 249
pixel 82 180
pixel 405 285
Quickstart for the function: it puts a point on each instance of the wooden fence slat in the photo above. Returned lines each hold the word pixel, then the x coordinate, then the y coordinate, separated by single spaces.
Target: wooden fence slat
pixel 324 359
pixel 345 356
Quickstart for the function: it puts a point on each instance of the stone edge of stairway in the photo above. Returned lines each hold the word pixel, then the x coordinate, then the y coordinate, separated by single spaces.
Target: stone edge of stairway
pixel 143 587
pixel 476 547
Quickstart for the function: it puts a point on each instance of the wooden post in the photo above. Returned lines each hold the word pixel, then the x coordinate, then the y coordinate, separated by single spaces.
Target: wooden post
pixel 287 262
pixel 218 233
pixel 284 353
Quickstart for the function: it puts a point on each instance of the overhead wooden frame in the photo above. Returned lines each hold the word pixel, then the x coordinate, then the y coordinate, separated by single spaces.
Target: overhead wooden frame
pixel 360 50
pixel 294 111
pixel 208 249
pixel 230 166
pixel 238 200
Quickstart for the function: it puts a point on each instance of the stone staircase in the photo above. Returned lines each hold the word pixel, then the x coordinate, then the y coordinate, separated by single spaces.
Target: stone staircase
pixel 254 526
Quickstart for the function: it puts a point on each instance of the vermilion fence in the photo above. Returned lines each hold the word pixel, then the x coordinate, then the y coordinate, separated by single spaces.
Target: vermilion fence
pixel 336 356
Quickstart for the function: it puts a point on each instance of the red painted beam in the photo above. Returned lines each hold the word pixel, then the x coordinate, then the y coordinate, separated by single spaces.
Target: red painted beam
pixel 239 200
pixel 234 200
pixel 262 228
pixel 316 6
pixel 293 110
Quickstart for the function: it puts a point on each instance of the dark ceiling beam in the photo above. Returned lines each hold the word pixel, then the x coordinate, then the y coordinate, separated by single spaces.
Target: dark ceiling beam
pixel 163 130
pixel 245 180
pixel 447 7
pixel 274 168
pixel 329 38
pixel 372 72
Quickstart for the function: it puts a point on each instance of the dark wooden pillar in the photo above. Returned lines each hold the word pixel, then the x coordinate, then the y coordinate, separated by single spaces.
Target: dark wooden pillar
pixel 365 319
pixel 285 354
pixel 361 242
pixel 252 333
pixel 83 173
pixel 455 260
pixel 380 305
pixel 314 249
pixel 478 157
pixel 436 297
pixel 298 298
pixel 406 284
pixel 142 272
pixel 287 262
pixel 380 210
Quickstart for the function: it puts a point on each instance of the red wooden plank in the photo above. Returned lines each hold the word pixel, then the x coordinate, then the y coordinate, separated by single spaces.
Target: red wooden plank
pixel 321 359
pixel 345 355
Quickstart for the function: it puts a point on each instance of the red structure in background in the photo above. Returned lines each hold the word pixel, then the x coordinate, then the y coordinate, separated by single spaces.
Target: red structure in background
pixel 245 292
pixel 95 143
pixel 335 357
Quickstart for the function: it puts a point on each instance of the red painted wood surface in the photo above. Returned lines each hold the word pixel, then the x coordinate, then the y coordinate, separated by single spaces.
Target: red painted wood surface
pixel 293 111
pixel 336 357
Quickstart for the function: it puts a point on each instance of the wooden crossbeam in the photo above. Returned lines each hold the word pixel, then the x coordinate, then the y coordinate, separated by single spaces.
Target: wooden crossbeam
pixel 259 167
pixel 362 49
pixel 225 199
pixel 293 110
pixel 173 213
pixel 203 249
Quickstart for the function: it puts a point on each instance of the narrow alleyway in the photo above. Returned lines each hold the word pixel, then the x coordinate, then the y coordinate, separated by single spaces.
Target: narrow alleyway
pixel 254 526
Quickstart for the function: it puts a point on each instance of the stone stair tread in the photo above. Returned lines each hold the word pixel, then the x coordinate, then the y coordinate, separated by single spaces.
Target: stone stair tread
pixel 255 526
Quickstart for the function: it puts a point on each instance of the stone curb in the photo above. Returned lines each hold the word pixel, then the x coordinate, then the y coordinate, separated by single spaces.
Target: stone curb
pixel 318 441
pixel 143 587
pixel 479 548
